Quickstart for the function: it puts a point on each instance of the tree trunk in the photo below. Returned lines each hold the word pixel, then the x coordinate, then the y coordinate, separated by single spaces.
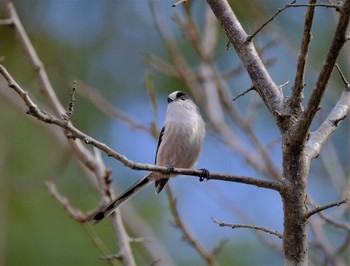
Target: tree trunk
pixel 295 172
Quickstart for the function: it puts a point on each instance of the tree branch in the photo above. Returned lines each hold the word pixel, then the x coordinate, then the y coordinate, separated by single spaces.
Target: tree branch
pixel 75 133
pixel 251 88
pixel 343 78
pixel 318 137
pixel 322 208
pixel 76 214
pixel 108 108
pixel 206 255
pixel 280 10
pixel 339 39
pixel 233 226
pixel 268 90
pixel 34 59
pixel 297 93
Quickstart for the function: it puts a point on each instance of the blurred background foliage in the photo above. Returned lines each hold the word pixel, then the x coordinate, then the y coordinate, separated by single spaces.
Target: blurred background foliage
pixel 104 45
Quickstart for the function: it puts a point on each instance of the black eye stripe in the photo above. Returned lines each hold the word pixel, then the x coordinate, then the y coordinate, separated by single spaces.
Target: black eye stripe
pixel 182 96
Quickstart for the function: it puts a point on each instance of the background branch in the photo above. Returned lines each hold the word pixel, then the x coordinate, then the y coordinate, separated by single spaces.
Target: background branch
pixel 322 208
pixel 263 229
pixel 187 236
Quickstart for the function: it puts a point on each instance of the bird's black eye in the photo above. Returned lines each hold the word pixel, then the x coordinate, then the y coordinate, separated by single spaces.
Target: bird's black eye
pixel 170 100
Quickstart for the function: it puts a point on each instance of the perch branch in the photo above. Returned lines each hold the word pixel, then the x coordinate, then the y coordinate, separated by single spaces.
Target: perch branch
pixel 234 226
pixel 75 133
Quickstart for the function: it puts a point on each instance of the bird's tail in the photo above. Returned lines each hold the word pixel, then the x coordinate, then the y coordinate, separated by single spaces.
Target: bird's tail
pixel 112 206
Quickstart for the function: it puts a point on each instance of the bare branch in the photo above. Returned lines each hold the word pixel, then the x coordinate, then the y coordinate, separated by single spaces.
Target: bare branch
pixel 318 137
pixel 331 220
pixel 268 90
pixel 297 94
pixel 323 243
pixel 108 108
pixel 280 10
pixel 96 240
pixel 322 208
pixel 34 60
pixel 303 126
pixel 251 88
pixel 76 214
pixel 188 237
pixel 233 226
pixel 343 78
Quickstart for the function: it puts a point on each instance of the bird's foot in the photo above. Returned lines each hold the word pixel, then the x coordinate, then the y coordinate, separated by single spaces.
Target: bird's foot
pixel 205 176
pixel 170 168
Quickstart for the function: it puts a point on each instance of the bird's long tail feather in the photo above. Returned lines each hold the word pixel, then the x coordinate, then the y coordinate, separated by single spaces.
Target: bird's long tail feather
pixel 112 206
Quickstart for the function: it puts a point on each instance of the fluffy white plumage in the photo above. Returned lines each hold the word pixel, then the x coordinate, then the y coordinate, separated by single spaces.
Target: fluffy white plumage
pixel 180 143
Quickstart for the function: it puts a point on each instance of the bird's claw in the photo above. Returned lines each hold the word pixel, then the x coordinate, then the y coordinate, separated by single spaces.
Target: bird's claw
pixel 205 176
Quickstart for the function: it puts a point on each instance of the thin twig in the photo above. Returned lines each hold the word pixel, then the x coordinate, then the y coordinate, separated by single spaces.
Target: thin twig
pixel 335 6
pixel 34 59
pixel 332 220
pixel 251 36
pixel 97 241
pixel 292 4
pixel 252 88
pixel 233 226
pixel 343 78
pixel 98 100
pixel 76 214
pixel 188 237
pixel 322 208
pixel 70 106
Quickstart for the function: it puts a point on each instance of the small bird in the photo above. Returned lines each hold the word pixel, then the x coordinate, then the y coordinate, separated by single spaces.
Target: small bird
pixel 179 145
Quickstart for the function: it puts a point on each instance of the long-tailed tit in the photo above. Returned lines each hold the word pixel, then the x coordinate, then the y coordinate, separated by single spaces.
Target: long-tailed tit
pixel 179 146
